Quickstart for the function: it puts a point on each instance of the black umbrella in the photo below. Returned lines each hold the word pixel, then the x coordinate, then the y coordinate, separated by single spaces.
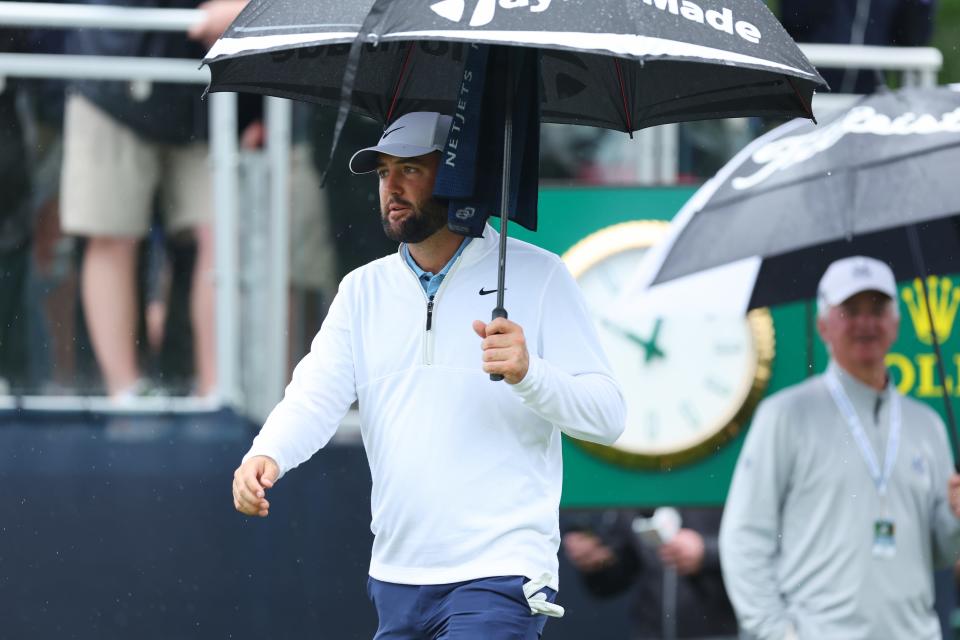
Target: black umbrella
pixel 800 195
pixel 878 179
pixel 618 64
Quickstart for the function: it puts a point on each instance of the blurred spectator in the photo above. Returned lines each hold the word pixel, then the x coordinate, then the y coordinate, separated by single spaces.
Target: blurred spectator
pixel 355 226
pixel 904 23
pixel 220 13
pixel 676 584
pixel 15 229
pixel 591 155
pixel 705 146
pixel 313 256
pixel 844 499
pixel 52 282
pixel 124 144
pixel 568 151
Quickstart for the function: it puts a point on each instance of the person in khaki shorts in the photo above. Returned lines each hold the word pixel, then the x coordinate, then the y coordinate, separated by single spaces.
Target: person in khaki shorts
pixel 121 149
pixel 110 176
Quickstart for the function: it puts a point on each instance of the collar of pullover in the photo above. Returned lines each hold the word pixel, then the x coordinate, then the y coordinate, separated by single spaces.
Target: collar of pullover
pixel 475 250
pixel 862 395
pixel 480 247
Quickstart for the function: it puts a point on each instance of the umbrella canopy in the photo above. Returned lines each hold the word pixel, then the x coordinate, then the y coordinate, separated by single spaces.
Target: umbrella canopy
pixel 878 179
pixel 619 64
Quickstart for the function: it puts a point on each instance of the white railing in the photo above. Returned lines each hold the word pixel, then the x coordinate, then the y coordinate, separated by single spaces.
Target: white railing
pixel 79 16
pixel 918 66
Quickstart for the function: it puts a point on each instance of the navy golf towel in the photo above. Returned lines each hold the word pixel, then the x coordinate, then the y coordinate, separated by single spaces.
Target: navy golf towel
pixel 471 169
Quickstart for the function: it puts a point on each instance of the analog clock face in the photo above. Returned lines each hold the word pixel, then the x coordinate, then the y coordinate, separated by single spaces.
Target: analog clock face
pixel 690 380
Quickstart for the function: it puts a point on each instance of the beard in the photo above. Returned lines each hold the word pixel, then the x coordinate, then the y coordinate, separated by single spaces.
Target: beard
pixel 422 222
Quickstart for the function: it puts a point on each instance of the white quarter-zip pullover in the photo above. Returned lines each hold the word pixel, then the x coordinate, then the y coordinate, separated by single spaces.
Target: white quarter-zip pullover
pixel 466 472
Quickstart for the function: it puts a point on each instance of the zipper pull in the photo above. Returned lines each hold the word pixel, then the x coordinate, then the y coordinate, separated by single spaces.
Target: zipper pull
pixel 429 313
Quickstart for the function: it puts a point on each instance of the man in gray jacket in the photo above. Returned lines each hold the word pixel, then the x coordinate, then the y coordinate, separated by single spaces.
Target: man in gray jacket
pixel 844 497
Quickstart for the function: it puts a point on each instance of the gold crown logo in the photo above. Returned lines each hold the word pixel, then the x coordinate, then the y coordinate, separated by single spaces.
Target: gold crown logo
pixel 944 301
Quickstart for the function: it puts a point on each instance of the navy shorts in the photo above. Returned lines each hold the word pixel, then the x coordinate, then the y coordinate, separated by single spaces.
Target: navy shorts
pixel 484 609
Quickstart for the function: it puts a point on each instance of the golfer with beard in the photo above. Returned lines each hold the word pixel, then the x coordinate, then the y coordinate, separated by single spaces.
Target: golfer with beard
pixel 466 472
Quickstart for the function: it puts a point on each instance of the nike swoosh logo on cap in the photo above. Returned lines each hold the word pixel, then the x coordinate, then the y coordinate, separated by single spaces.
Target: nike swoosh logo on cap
pixel 389 131
pixel 484 292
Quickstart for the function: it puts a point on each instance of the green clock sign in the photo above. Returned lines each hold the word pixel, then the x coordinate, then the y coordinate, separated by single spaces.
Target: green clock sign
pixel 692 386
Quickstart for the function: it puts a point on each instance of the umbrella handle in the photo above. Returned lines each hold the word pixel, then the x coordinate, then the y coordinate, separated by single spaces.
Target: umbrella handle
pixel 498 312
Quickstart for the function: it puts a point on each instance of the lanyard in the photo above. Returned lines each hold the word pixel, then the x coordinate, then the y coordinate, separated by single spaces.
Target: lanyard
pixel 880 478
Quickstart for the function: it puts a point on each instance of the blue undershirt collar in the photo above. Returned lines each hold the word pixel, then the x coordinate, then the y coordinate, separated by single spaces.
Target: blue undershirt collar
pixel 429 281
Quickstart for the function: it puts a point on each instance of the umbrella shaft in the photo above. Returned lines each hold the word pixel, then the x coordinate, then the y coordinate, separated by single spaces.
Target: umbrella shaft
pixel 499 311
pixel 921 267
pixel 505 185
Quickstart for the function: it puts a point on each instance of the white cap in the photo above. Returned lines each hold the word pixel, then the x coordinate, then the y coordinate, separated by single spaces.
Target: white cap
pixel 849 276
pixel 411 135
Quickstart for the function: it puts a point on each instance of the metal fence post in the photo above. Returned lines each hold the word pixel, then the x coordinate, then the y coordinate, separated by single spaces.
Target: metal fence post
pixel 278 121
pixel 224 155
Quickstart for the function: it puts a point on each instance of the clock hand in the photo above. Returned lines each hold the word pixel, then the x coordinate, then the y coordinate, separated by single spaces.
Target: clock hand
pixel 650 349
pixel 627 334
pixel 654 351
